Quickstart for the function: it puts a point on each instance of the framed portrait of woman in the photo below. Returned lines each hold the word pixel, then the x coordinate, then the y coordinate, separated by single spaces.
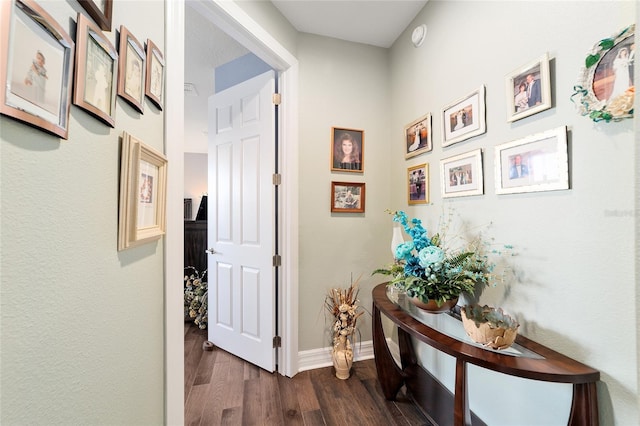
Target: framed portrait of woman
pixel 347 150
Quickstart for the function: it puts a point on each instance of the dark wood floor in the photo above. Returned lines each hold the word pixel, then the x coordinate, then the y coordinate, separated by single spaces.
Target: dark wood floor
pixel 221 389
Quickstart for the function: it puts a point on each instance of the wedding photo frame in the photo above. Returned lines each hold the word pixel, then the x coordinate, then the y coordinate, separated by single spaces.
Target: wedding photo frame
pixel 461 175
pixel 417 136
pixel 154 84
pixel 347 150
pixel 36 67
pixel 464 118
pixel 528 89
pixel 100 11
pixel 347 197
pixel 132 70
pixel 143 192
pixel 96 75
pixel 605 87
pixel 418 184
pixel 535 163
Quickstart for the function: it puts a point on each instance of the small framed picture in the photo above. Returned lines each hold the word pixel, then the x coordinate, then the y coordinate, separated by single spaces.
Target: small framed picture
pixel 461 175
pixel 464 118
pixel 100 11
pixel 132 70
pixel 418 184
pixel 417 136
pixel 347 197
pixel 535 163
pixel 347 150
pixel 154 85
pixel 605 90
pixel 36 70
pixel 528 89
pixel 96 74
pixel 143 189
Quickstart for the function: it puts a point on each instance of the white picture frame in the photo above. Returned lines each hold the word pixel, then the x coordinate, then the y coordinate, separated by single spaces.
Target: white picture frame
pixel 464 118
pixel 461 175
pixel 535 163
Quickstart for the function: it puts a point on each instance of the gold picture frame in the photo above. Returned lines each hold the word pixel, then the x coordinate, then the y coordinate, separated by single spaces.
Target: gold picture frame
pixel 143 194
pixel 96 75
pixel 347 197
pixel 351 160
pixel 418 184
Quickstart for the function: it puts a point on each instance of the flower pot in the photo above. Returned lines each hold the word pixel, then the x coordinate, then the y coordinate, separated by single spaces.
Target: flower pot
pixel 432 307
pixel 342 356
pixel 488 333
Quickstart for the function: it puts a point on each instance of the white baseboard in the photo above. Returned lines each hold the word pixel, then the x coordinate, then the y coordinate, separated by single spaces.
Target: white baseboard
pixel 319 358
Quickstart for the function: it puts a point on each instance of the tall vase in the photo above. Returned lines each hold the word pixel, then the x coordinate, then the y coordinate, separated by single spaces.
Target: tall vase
pixel 396 239
pixel 342 356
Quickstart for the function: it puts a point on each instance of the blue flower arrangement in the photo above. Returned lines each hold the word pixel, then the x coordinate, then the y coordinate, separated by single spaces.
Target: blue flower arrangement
pixel 427 270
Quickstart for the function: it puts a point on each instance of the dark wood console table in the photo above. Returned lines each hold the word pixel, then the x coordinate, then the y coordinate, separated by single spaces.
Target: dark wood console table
pixel 526 359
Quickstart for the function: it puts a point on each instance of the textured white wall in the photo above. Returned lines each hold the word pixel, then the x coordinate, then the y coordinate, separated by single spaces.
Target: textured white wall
pixel 82 335
pixel 195 179
pixel 345 85
pixel 575 287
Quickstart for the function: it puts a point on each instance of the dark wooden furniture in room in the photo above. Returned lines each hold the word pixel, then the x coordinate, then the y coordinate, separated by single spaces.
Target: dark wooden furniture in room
pixel 526 359
pixel 195 244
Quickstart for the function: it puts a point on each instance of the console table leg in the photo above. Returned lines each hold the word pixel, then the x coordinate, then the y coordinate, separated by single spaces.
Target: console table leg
pixel 389 374
pixel 584 406
pixel 461 413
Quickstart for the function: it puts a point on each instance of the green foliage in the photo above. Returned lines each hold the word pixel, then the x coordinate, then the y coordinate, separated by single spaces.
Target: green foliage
pixel 592 60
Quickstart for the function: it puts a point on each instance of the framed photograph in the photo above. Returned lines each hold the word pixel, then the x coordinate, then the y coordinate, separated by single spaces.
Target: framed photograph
pixel 347 197
pixel 417 136
pixel 347 150
pixel 535 163
pixel 464 118
pixel 461 175
pixel 96 74
pixel 132 70
pixel 143 192
pixel 154 83
pixel 418 184
pixel 528 89
pixel 605 88
pixel 36 72
pixel 100 11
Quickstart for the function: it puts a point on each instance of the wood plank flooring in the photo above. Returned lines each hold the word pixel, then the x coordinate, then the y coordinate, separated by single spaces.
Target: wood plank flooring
pixel 221 389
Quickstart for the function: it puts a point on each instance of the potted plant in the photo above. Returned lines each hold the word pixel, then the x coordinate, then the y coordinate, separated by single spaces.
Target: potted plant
pixel 433 273
pixel 342 305
pixel 195 297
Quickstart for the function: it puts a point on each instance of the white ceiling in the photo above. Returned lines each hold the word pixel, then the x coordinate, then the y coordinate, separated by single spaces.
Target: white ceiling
pixel 378 22
pixel 373 22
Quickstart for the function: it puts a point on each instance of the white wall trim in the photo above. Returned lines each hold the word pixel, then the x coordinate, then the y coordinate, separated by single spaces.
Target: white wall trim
pixel 319 358
pixel 174 239
pixel 234 21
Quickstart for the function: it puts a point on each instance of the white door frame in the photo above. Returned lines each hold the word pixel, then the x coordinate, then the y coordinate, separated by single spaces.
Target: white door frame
pixel 239 25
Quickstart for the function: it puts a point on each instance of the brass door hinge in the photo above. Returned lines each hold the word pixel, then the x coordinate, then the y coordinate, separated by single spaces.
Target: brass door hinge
pixel 277 178
pixel 277 341
pixel 276 98
pixel 277 260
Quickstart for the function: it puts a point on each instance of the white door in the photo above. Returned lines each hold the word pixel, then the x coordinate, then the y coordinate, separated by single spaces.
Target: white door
pixel 241 217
